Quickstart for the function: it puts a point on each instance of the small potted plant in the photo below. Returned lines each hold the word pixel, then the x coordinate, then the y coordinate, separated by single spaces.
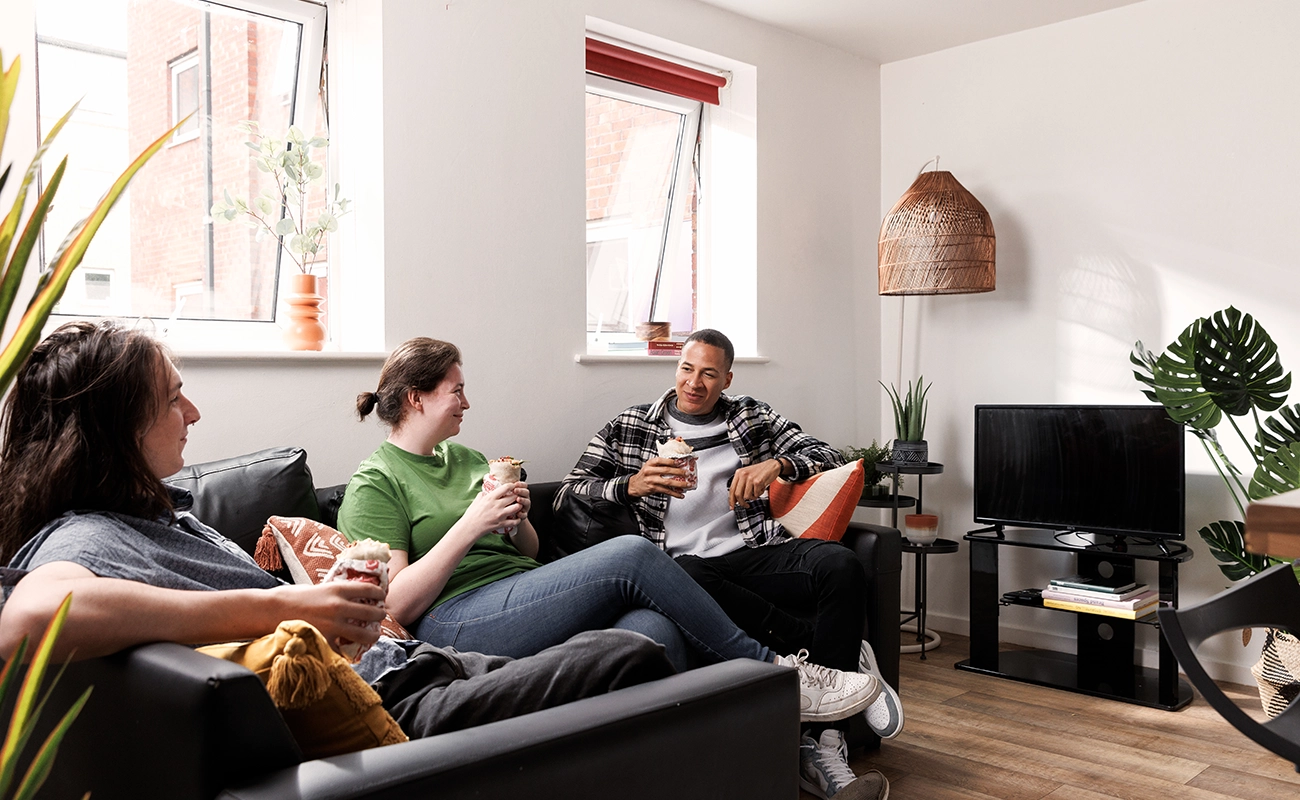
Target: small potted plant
pixel 909 423
pixel 872 485
pixel 284 214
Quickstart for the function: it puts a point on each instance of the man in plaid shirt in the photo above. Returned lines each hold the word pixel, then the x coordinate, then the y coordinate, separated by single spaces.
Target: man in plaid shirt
pixel 723 533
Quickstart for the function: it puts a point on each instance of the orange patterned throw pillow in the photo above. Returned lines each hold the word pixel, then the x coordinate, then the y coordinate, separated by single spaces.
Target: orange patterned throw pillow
pixel 819 507
pixel 307 548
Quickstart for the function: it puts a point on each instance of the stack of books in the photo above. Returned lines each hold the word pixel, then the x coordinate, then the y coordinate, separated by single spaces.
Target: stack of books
pixel 1091 596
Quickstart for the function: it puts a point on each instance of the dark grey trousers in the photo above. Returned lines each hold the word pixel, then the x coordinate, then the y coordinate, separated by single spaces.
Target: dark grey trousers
pixel 441 690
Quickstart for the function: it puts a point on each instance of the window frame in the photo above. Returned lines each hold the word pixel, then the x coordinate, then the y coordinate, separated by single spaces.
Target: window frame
pixel 208 335
pixel 686 160
pixel 174 68
pixel 727 218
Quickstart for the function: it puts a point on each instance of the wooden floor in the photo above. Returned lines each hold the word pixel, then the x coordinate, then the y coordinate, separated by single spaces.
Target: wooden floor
pixel 973 736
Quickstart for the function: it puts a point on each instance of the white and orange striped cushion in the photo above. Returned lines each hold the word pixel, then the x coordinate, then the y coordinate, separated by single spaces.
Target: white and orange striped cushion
pixel 818 507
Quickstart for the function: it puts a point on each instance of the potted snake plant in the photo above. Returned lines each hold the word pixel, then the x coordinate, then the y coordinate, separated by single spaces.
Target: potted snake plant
pixel 909 445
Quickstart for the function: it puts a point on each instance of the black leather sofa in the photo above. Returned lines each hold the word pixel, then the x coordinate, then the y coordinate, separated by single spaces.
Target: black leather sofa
pixel 167 722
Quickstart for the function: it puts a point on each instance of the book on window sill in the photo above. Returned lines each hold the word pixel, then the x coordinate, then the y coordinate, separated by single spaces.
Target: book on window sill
pixel 1091 594
pixel 1144 598
pixel 661 347
pixel 625 347
pixel 1091 584
pixel 1121 613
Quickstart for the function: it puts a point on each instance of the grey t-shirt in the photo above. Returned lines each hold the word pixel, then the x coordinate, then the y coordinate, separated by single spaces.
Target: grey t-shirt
pixel 184 554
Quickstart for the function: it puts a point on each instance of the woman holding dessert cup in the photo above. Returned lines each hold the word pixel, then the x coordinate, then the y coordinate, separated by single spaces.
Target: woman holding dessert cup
pixel 456 582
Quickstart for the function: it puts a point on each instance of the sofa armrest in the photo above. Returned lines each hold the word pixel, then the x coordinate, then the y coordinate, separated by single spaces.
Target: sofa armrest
pixel 727 730
pixel 880 549
pixel 165 721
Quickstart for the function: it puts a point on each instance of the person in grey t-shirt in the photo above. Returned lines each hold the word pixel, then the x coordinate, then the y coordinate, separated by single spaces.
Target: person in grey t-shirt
pixel 95 421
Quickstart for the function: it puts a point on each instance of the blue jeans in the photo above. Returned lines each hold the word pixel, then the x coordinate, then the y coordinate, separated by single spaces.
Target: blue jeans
pixel 626 582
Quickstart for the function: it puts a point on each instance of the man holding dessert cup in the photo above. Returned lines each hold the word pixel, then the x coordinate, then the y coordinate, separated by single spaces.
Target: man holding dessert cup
pixel 713 517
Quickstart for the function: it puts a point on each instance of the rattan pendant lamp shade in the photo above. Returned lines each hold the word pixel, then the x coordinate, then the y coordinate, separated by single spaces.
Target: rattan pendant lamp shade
pixel 937 239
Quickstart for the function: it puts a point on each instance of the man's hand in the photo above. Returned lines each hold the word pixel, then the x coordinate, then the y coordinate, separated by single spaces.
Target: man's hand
pixel 750 482
pixel 658 476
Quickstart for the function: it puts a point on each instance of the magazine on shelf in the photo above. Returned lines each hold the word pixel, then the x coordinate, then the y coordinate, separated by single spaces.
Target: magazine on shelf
pixel 1121 613
pixel 1089 593
pixel 1143 598
pixel 1092 584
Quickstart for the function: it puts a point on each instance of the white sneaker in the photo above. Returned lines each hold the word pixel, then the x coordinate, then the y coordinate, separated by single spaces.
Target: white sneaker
pixel 824 771
pixel 885 715
pixel 825 694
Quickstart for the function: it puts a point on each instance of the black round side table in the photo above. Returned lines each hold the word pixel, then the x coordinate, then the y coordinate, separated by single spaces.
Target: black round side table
pixel 937 547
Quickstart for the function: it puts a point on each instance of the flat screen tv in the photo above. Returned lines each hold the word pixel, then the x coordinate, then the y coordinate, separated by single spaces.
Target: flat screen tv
pixel 1092 469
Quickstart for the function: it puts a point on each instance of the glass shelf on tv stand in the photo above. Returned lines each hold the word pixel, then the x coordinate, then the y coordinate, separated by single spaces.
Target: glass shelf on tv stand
pixel 1105 663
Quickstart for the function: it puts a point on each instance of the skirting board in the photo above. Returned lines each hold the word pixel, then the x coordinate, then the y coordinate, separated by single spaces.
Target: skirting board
pixel 1219 669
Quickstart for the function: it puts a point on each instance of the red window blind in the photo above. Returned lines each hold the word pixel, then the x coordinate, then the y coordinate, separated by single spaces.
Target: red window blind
pixel 622 64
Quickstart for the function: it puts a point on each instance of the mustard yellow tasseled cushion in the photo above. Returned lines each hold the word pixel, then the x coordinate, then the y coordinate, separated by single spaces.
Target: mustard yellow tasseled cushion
pixel 327 706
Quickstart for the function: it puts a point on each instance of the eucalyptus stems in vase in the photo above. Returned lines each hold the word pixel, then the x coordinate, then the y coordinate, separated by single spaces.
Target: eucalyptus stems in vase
pixel 285 215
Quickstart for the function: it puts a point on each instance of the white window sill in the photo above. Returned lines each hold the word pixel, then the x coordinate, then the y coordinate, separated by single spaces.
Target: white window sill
pixel 271 356
pixel 634 358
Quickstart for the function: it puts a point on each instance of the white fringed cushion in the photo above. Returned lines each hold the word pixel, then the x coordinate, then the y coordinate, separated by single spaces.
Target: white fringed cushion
pixel 1278 671
pixel 819 507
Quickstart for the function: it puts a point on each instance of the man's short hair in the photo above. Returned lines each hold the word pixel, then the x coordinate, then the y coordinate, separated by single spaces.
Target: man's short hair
pixel 716 339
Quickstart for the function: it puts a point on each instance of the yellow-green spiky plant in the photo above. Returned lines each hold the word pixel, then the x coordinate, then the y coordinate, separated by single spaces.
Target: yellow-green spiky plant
pixel 15 253
pixel 27 709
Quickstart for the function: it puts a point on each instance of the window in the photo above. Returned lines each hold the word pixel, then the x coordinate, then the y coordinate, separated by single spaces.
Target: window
pixel 641 211
pixel 670 178
pixel 185 96
pixel 142 65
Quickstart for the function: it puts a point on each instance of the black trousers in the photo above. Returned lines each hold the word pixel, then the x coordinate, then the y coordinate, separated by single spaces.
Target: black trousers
pixel 798 593
pixel 442 690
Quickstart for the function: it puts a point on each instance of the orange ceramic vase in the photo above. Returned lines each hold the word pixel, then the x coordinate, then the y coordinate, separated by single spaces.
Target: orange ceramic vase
pixel 305 331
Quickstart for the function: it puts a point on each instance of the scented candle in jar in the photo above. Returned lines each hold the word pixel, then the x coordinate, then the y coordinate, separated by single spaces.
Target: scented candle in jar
pixel 921 528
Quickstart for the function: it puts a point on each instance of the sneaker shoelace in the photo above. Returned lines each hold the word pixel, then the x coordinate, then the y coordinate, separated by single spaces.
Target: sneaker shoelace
pixel 815 674
pixel 835 762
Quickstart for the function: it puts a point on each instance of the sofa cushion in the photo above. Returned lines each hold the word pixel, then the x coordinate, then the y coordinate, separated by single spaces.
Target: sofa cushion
pixel 326 705
pixel 235 496
pixel 819 507
pixel 577 521
pixel 307 549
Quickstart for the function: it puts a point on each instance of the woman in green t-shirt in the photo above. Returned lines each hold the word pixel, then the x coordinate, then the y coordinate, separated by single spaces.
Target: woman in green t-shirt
pixel 457 581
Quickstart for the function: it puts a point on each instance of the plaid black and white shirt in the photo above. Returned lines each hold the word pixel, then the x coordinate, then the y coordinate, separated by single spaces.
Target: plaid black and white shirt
pixel 756 431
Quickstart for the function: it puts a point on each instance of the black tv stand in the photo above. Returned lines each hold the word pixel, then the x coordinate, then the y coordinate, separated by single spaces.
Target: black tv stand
pixel 1104 664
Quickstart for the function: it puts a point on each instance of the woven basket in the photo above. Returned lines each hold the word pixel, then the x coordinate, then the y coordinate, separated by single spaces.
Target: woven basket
pixel 937 239
pixel 1278 671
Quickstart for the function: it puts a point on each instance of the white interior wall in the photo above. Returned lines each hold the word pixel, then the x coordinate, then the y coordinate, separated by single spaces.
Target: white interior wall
pixel 1139 167
pixel 481 174
pixel 484 214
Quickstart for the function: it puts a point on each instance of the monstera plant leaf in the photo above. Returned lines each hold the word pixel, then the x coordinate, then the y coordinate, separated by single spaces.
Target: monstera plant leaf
pixel 1227 541
pixel 1238 364
pixel 1145 362
pixel 1279 472
pixel 1284 427
pixel 1178 383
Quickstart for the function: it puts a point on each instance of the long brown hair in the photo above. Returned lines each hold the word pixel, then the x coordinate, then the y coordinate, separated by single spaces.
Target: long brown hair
pixel 73 426
pixel 420 364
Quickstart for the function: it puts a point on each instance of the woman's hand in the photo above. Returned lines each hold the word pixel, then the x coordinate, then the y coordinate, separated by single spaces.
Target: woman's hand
pixel 499 508
pixel 524 499
pixel 336 608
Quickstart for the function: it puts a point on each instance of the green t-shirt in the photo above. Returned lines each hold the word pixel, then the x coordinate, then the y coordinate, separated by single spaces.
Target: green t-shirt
pixel 411 501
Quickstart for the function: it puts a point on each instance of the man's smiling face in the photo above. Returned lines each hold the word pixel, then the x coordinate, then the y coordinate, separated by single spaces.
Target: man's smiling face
pixel 702 375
